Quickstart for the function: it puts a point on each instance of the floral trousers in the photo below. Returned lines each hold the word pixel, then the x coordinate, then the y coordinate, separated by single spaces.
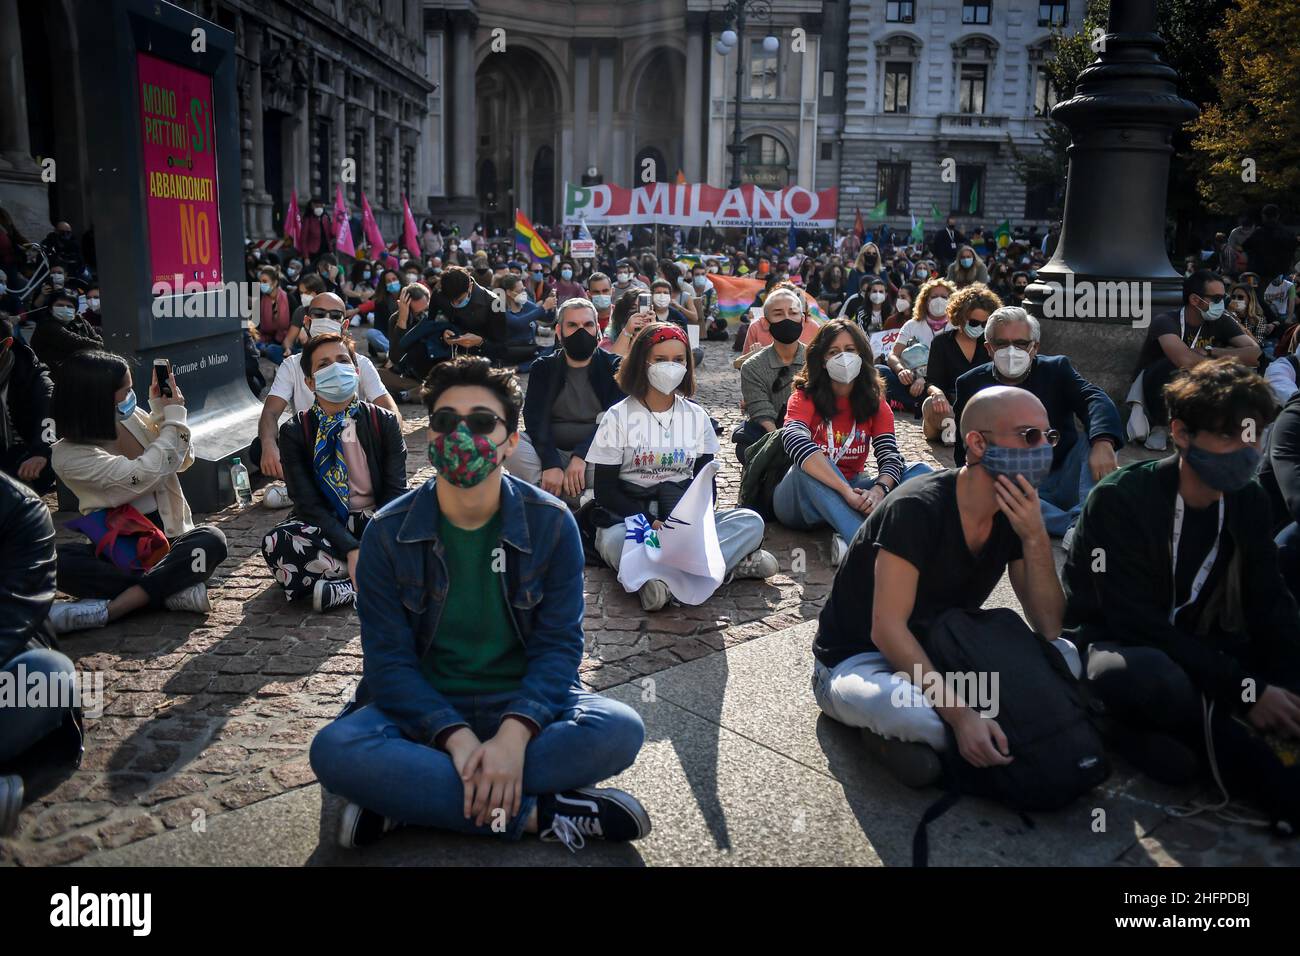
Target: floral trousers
pixel 299 555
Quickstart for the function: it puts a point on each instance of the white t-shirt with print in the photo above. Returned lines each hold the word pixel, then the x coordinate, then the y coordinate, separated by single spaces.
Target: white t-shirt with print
pixel 290 383
pixel 653 447
pixel 914 330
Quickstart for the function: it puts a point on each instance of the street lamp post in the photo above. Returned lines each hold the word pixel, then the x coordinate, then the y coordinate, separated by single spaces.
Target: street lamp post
pixel 734 15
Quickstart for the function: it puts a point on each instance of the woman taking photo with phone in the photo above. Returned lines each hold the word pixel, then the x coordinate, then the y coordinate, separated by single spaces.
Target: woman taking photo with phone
pixel 122 464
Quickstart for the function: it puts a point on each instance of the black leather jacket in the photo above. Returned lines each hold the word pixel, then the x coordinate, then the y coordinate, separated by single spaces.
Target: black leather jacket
pixel 26 566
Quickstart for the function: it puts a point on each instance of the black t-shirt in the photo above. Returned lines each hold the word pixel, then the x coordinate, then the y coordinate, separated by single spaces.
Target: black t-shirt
pixel 1200 525
pixel 919 523
pixel 949 363
pixel 1217 332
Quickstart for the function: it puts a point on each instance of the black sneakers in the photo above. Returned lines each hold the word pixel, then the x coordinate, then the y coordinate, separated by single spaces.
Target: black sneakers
pixel 327 595
pixel 362 827
pixel 912 764
pixel 11 803
pixel 601 812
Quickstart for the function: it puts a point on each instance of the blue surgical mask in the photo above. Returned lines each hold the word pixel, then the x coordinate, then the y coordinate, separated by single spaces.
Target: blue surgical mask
pixel 126 407
pixel 1034 463
pixel 1224 471
pixel 337 382
pixel 1214 311
pixel 566 274
pixel 975 331
pixel 461 302
pixel 967 262
pixel 365 274
pixel 394 287
pixel 265 287
pixel 601 302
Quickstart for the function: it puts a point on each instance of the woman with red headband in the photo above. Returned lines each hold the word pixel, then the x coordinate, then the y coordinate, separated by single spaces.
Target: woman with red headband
pixel 649 448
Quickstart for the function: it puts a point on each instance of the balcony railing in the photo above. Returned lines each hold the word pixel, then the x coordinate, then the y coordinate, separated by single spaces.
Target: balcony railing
pixel 972 124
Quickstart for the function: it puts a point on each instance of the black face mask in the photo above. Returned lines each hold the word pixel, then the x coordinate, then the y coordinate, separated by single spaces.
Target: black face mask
pixel 786 331
pixel 580 345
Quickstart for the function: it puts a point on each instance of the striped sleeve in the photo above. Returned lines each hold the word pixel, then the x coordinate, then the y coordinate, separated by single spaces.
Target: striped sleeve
pixel 889 460
pixel 797 440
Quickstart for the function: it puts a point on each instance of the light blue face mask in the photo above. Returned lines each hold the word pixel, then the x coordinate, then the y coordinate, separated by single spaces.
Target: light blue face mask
pixel 337 382
pixel 967 262
pixel 126 407
pixel 975 331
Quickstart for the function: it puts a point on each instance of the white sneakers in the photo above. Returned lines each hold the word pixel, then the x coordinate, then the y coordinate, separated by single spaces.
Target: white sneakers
pixel 839 550
pixel 759 564
pixel 1138 426
pixel 1158 440
pixel 66 616
pixel 277 496
pixel 193 598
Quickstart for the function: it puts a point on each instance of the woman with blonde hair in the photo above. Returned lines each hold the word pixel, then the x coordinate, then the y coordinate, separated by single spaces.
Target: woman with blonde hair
pixel 968 268
pixel 904 367
pixel 868 263
pixel 954 352
pixel 1244 306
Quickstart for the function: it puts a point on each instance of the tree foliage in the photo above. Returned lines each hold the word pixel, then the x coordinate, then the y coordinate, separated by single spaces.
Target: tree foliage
pixel 1253 131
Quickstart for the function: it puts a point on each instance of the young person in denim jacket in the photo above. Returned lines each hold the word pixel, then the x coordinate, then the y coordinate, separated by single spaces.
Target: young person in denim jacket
pixel 469 715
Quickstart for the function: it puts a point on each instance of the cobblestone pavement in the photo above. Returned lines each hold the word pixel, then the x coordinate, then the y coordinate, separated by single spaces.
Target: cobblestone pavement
pixel 207 715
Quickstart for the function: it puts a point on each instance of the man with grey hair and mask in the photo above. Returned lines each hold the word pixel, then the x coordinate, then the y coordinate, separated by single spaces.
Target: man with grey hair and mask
pixel 289 392
pixel 1011 337
pixel 940 544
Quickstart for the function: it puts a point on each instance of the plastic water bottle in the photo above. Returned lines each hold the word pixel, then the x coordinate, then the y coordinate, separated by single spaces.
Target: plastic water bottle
pixel 239 478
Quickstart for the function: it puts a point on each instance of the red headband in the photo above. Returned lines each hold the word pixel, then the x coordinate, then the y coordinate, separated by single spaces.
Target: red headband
pixel 669 332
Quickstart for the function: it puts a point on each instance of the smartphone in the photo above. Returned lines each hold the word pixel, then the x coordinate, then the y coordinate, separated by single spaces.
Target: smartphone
pixel 162 374
pixel 643 302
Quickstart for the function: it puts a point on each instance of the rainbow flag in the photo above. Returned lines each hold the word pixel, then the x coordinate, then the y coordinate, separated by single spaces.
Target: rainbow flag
pixel 527 240
pixel 736 295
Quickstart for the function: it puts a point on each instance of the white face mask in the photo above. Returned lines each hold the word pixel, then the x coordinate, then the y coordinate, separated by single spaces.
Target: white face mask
pixel 666 376
pixel 306 299
pixel 937 307
pixel 844 368
pixel 876 298
pixel 661 300
pixel 1012 362
pixel 521 298
pixel 322 326
pixel 902 305
pixel 92 304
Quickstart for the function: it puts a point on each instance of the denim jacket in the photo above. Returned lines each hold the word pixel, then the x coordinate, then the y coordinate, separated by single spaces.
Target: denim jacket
pixel 402 584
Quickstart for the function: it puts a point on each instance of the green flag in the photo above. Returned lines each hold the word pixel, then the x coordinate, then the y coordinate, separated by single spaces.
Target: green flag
pixel 918 231
pixel 934 212
pixel 879 211
pixel 1003 235
pixel 974 206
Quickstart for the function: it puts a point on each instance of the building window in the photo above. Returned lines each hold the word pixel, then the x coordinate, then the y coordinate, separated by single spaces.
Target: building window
pixel 893 181
pixel 383 186
pixel 1045 96
pixel 828 82
pixel 325 154
pixel 974 78
pixel 323 70
pixel 828 150
pixel 898 87
pixel 359 154
pixel 767 164
pixel 1040 200
pixel 1053 14
pixel 968 191
pixel 408 165
pixel 900 11
pixel 975 11
pixel 762 72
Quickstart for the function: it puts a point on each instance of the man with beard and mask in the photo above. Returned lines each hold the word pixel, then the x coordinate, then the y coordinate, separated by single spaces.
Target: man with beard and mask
pixel 1011 338
pixel 938 546
pixel 25 392
pixel 318 232
pixel 1192 638
pixel 568 392
pixel 767 376
pixel 470 716
pixel 60 333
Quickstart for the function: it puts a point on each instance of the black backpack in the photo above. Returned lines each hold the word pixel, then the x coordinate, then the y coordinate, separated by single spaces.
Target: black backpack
pixel 1041 708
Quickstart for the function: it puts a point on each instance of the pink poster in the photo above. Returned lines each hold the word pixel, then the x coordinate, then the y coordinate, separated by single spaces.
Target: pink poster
pixel 180 169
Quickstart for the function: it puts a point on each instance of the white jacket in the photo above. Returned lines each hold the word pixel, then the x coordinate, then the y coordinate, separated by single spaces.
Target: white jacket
pixel 101 479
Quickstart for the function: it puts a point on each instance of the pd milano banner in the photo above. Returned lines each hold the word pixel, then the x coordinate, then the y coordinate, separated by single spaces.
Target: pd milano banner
pixel 697 204
pixel 180 168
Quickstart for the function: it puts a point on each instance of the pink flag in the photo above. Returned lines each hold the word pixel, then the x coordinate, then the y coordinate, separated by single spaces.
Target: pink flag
pixel 343 241
pixel 410 235
pixel 293 221
pixel 374 238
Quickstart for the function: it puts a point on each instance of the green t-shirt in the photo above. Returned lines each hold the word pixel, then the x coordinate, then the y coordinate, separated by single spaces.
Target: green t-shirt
pixel 475 649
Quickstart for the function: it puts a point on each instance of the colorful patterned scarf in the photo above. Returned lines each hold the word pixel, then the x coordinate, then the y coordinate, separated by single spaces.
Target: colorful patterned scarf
pixel 331 469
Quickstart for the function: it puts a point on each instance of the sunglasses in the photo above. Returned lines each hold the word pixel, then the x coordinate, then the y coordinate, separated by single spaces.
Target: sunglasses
pixel 335 314
pixel 444 421
pixel 1034 436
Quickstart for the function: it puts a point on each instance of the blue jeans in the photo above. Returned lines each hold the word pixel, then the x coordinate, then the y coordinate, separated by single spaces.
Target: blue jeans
pixel 364 758
pixel 1062 494
pixel 897 393
pixel 1288 556
pixel 802 502
pixel 272 351
pixel 22 727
